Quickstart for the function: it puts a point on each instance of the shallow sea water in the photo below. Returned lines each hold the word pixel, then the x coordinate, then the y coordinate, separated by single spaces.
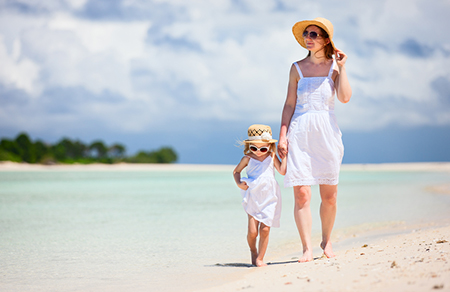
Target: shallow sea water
pixel 167 230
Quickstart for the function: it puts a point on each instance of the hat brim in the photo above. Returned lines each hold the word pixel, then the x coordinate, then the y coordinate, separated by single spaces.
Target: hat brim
pixel 300 27
pixel 260 141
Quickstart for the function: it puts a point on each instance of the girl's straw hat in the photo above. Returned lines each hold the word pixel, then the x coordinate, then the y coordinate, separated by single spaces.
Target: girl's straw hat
pixel 321 22
pixel 260 134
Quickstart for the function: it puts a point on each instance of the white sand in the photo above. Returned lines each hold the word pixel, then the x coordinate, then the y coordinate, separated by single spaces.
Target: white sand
pixel 13 166
pixel 414 260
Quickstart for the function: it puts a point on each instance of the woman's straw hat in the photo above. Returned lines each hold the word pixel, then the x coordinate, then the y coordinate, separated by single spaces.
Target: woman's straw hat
pixel 321 22
pixel 259 134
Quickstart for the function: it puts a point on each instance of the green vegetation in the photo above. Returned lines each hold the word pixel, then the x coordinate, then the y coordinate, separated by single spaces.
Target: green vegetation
pixel 164 154
pixel 22 149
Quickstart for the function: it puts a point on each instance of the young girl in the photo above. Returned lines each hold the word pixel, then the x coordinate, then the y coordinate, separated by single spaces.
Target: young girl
pixel 260 191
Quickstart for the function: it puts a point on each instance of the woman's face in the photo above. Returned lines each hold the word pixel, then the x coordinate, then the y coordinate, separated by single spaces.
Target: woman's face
pixel 314 44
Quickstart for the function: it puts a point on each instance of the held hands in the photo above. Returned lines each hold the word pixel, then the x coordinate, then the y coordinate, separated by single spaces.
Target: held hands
pixel 282 148
pixel 340 57
pixel 243 185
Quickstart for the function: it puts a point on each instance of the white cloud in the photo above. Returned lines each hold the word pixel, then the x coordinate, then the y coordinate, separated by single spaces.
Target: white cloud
pixel 16 71
pixel 76 4
pixel 222 61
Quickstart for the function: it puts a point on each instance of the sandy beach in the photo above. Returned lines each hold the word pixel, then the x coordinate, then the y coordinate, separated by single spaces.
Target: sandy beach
pixel 391 257
pixel 13 166
pixel 412 260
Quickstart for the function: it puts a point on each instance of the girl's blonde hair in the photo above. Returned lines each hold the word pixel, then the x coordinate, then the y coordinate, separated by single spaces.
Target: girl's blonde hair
pixel 272 147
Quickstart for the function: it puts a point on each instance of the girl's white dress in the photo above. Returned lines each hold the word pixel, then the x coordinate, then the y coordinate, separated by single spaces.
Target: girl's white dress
pixel 262 199
pixel 315 148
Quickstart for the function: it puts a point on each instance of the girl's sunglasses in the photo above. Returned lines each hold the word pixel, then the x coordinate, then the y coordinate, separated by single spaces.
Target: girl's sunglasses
pixel 312 34
pixel 264 149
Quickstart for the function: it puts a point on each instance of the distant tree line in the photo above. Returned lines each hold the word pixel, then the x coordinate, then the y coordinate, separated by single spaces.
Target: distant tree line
pixel 22 149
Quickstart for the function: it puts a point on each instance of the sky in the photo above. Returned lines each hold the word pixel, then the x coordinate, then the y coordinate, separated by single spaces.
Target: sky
pixel 194 75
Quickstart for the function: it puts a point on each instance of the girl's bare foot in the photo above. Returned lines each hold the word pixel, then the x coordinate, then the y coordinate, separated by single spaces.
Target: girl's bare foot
pixel 327 249
pixel 260 263
pixel 254 256
pixel 307 257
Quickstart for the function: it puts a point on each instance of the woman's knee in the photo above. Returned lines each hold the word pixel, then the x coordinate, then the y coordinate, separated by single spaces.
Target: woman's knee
pixel 330 199
pixel 328 195
pixel 302 196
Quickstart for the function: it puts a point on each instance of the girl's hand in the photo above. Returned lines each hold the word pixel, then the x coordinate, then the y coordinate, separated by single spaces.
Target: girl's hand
pixel 282 148
pixel 243 186
pixel 340 57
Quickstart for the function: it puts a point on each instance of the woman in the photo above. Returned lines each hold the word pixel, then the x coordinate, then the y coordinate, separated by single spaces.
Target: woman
pixel 309 131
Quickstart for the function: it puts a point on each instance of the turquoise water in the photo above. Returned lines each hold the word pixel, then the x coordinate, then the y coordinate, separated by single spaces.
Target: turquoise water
pixel 138 229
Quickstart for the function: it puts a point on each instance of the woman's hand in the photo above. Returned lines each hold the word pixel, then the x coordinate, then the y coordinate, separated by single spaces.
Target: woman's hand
pixel 340 57
pixel 282 148
pixel 243 185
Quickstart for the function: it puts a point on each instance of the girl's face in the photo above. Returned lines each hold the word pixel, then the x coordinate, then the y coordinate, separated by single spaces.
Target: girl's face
pixel 259 149
pixel 313 38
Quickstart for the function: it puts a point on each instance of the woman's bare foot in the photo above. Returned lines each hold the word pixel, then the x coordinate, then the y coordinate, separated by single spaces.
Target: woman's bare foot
pixel 327 249
pixel 260 263
pixel 254 256
pixel 307 257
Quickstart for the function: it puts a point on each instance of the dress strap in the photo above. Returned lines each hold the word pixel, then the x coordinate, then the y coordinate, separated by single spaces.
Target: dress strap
pixel 331 69
pixel 298 69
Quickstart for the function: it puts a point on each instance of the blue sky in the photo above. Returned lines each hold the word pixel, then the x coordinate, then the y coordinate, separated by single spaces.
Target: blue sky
pixel 194 75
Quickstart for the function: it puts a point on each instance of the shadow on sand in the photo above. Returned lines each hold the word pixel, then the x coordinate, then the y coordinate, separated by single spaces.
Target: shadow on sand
pixel 242 265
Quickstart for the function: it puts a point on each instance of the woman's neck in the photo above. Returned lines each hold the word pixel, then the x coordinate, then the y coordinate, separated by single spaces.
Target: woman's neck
pixel 318 57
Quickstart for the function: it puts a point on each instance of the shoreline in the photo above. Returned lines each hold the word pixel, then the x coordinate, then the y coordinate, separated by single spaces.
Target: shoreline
pixel 20 166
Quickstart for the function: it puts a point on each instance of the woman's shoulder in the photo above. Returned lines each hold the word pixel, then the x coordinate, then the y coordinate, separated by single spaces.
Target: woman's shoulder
pixel 298 62
pixel 302 60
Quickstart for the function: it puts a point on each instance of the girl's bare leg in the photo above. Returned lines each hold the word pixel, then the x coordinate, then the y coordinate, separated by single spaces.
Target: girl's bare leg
pixel 328 207
pixel 252 234
pixel 302 215
pixel 264 231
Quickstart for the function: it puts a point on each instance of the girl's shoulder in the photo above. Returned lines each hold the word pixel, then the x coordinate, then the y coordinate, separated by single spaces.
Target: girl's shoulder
pixel 243 163
pixel 246 158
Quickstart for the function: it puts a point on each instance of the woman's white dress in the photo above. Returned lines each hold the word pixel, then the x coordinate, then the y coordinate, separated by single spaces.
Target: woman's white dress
pixel 315 148
pixel 262 199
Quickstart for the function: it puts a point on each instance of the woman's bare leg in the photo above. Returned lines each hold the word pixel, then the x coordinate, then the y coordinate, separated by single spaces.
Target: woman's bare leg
pixel 302 215
pixel 264 231
pixel 252 234
pixel 328 207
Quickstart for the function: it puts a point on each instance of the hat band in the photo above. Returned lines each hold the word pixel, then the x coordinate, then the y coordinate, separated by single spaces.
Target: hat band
pixel 264 137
